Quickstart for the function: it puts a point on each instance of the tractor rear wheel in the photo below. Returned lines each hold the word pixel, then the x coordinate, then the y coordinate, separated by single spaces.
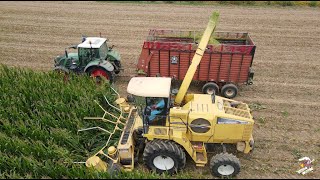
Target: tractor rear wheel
pixel 210 88
pixel 224 165
pixel 164 156
pixel 100 74
pixel 229 91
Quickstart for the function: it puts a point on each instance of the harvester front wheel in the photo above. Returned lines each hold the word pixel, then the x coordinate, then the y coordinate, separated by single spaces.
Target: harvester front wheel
pixel 164 156
pixel 229 91
pixel 224 165
pixel 114 169
pixel 100 74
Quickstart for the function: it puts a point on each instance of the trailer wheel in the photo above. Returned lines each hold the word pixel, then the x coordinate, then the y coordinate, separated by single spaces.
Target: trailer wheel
pixel 229 91
pixel 210 88
pixel 164 156
pixel 224 165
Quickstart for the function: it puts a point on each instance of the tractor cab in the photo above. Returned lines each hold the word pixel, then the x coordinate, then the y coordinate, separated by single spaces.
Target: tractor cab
pixel 152 96
pixel 92 48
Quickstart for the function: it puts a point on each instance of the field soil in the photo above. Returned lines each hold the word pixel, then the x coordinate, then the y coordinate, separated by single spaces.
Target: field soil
pixel 285 96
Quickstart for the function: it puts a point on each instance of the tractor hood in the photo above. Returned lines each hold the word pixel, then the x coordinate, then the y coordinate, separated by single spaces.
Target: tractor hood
pixel 150 86
pixel 73 55
pixel 70 55
pixel 114 55
pixel 59 60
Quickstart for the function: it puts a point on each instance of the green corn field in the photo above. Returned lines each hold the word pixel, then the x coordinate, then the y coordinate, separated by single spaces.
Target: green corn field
pixel 40 115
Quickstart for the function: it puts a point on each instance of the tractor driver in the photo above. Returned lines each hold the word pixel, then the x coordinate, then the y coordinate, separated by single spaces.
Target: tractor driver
pixel 157 106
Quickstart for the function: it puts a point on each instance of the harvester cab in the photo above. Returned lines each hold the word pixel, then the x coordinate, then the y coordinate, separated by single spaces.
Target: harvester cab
pixel 184 127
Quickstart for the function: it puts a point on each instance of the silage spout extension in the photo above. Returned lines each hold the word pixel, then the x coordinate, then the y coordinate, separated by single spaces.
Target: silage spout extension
pixel 197 58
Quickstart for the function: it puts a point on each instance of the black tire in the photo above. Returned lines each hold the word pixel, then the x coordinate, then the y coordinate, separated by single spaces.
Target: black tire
pixel 224 165
pixel 169 151
pixel 229 91
pixel 114 169
pixel 99 79
pixel 117 69
pixel 210 88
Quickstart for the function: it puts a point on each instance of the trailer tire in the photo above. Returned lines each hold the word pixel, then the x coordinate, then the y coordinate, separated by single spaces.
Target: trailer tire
pixel 210 88
pixel 164 156
pixel 224 165
pixel 229 91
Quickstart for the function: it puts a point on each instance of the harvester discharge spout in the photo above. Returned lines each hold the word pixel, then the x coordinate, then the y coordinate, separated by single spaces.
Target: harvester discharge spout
pixel 197 58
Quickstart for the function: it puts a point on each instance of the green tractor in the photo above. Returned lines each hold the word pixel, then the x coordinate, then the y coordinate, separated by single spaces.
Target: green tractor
pixel 92 57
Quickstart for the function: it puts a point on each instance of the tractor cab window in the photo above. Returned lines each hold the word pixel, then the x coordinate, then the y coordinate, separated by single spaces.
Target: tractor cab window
pixel 103 50
pixel 86 53
pixel 156 110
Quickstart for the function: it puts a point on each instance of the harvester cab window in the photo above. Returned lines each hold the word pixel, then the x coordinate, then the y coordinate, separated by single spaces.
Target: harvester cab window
pixel 156 110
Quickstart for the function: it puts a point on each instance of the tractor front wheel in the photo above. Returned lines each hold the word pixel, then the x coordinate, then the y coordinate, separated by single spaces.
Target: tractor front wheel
pixel 117 69
pixel 164 156
pixel 224 165
pixel 63 72
pixel 100 74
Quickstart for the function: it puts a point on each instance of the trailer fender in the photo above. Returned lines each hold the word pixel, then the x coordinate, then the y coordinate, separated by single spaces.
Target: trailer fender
pixel 104 64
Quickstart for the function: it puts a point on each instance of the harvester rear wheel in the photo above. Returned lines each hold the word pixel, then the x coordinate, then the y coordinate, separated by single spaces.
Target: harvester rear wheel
pixel 210 88
pixel 100 74
pixel 229 91
pixel 224 165
pixel 164 156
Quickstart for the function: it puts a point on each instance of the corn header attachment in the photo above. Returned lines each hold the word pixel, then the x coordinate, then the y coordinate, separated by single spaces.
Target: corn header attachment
pixel 102 160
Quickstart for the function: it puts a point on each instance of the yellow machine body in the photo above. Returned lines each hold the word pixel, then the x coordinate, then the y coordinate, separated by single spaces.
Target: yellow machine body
pixel 202 121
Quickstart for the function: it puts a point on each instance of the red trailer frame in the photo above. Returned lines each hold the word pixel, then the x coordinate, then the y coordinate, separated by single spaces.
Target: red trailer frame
pixel 168 53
